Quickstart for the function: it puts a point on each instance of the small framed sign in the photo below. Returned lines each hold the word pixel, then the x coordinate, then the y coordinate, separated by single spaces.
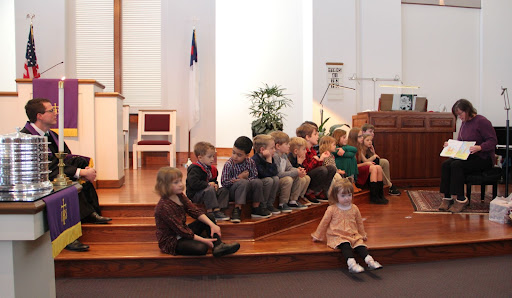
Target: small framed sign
pixel 335 77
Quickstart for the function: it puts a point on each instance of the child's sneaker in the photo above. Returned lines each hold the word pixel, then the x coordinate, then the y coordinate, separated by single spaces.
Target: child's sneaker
pixel 235 215
pixel 225 249
pixel 297 206
pixel 273 210
pixel 284 208
pixel 260 212
pixel 353 266
pixel 304 201
pixel 393 191
pixel 372 264
pixel 321 197
pixel 312 199
pixel 219 215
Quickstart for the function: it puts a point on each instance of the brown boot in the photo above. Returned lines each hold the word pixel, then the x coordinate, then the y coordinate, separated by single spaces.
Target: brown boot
pixel 446 204
pixel 458 206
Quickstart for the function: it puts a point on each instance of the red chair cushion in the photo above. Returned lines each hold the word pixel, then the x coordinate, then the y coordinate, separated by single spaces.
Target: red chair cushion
pixel 154 142
pixel 157 122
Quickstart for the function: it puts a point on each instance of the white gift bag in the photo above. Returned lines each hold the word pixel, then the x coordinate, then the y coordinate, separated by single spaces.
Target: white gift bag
pixel 499 209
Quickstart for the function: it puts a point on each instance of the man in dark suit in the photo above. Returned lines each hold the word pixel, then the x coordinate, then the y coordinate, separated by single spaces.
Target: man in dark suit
pixel 42 116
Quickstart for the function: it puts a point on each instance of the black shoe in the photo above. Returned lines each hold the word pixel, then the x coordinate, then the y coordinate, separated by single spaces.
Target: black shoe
pixel 393 191
pixel 95 218
pixel 77 246
pixel 260 212
pixel 235 215
pixel 225 249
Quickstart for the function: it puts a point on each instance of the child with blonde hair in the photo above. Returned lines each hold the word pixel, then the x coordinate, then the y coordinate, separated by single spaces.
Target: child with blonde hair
pixel 289 181
pixel 264 149
pixel 296 157
pixel 202 185
pixel 173 235
pixel 328 144
pixel 342 227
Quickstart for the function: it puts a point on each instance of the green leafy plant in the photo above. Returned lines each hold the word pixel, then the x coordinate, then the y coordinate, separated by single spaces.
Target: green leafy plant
pixel 321 128
pixel 266 107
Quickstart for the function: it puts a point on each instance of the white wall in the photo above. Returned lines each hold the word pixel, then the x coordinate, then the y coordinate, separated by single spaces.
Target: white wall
pixel 49 32
pixel 7 50
pixel 496 58
pixel 380 52
pixel 177 23
pixel 334 37
pixel 257 42
pixel 441 53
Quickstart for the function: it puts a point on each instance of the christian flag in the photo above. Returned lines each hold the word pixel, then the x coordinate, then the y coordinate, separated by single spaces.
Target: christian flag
pixel 193 85
pixel 63 215
pixel 31 67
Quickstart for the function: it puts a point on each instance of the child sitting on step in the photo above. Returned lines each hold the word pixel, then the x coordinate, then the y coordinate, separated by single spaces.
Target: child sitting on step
pixel 202 186
pixel 342 227
pixel 173 234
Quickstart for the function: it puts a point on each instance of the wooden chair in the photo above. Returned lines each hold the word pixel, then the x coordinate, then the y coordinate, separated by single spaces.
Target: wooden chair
pixel 488 177
pixel 155 123
pixel 126 134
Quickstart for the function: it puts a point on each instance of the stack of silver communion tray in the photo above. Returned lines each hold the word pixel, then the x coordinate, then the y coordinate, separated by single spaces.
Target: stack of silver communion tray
pixel 24 174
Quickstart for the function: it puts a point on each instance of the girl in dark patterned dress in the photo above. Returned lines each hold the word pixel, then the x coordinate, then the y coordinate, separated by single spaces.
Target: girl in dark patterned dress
pixel 173 234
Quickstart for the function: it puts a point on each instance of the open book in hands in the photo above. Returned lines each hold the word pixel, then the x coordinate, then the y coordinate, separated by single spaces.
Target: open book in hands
pixel 457 149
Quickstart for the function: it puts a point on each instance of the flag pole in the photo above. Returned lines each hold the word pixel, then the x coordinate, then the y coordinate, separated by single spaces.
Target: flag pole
pixel 189 161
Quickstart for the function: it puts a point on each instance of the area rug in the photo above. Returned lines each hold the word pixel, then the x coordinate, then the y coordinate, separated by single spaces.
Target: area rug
pixel 427 201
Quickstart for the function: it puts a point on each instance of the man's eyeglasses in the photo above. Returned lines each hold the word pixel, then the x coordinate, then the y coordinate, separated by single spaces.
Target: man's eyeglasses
pixel 49 111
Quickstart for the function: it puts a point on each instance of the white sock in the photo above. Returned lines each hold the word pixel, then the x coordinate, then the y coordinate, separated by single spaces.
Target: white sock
pixel 293 202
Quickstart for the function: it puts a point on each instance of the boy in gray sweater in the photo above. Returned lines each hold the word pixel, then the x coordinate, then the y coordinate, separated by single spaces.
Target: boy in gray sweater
pixel 289 183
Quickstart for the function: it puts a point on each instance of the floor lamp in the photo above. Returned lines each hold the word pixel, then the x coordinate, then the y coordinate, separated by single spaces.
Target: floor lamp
pixel 504 93
pixel 325 93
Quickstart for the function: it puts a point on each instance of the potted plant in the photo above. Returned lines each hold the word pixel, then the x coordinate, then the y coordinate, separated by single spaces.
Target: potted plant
pixel 266 107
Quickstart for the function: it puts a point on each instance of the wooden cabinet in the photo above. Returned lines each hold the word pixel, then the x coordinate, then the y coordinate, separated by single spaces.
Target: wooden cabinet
pixel 411 141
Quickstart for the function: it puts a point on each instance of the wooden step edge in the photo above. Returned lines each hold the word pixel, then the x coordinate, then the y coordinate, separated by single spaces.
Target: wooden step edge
pixel 319 248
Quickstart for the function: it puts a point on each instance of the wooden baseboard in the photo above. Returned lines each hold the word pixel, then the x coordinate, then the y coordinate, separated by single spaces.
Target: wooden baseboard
pixel 110 183
pixel 224 152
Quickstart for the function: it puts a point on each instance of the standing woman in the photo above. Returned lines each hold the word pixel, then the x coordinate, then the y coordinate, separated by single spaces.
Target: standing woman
pixel 453 171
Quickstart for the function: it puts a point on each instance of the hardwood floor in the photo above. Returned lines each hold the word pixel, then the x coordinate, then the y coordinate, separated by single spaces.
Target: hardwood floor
pixel 127 246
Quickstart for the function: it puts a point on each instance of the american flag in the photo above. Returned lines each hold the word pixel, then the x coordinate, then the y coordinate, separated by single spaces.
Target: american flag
pixel 30 55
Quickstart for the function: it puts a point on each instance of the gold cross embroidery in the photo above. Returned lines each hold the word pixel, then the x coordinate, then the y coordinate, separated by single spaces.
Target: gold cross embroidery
pixel 56 108
pixel 63 212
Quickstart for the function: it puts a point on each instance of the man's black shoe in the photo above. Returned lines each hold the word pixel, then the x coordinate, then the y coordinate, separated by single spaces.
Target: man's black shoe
pixel 95 218
pixel 77 246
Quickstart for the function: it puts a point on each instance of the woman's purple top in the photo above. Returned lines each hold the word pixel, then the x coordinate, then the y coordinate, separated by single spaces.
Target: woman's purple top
pixel 480 130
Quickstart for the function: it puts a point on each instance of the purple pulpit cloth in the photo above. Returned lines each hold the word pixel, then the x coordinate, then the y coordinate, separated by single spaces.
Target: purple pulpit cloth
pixel 63 216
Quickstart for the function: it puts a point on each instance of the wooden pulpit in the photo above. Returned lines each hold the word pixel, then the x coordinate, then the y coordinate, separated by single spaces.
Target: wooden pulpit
pixel 411 141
